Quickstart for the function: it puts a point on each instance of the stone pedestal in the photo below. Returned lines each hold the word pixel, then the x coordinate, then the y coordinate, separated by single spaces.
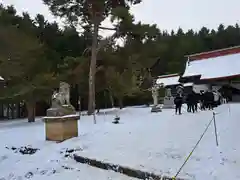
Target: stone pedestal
pixel 168 103
pixel 61 128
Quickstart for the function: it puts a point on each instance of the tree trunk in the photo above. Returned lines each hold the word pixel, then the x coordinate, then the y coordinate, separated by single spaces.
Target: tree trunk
pixel 1 111
pixel 8 114
pixel 31 111
pixel 74 96
pixel 18 110
pixel 80 107
pixel 92 71
pixel 120 103
pixel 111 99
pixel 12 112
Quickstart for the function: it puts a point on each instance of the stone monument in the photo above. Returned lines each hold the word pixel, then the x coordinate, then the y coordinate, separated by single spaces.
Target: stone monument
pixel 155 107
pixel 168 102
pixel 61 122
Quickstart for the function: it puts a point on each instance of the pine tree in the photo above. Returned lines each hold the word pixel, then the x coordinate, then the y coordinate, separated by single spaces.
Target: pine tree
pixel 92 13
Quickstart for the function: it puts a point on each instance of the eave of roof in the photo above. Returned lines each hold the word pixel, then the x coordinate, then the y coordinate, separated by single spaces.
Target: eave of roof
pixel 168 75
pixel 220 78
pixel 214 53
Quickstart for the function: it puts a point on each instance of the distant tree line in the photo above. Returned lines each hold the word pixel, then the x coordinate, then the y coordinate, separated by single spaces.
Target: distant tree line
pixel 35 55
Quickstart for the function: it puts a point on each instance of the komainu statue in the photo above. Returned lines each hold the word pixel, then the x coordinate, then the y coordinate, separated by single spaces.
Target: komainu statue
pixel 63 95
pixel 61 105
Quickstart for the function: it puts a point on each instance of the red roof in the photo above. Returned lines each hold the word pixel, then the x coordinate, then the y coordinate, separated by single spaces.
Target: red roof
pixel 215 53
pixel 168 75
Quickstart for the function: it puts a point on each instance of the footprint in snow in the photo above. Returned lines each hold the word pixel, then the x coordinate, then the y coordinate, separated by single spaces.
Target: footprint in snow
pixel 2 158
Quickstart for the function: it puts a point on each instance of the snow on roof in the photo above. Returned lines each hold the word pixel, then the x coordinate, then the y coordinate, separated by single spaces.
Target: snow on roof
pixel 1 78
pixel 212 68
pixel 168 80
pixel 188 84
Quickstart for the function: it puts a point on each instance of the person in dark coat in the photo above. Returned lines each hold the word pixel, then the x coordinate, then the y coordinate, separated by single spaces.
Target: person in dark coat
pixel 202 103
pixel 195 101
pixel 178 101
pixel 191 102
pixel 206 100
pixel 209 98
pixel 188 103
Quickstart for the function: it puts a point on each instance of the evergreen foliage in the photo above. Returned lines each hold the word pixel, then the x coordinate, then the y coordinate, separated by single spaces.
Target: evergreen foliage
pixel 35 55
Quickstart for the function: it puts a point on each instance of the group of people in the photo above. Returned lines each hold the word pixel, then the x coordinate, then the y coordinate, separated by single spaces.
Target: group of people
pixel 207 100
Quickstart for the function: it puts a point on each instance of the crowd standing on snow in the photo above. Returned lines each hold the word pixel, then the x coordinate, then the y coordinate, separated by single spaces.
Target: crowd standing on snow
pixel 203 101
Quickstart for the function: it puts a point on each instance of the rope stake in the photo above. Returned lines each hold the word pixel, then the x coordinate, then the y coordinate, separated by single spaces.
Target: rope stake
pixel 215 127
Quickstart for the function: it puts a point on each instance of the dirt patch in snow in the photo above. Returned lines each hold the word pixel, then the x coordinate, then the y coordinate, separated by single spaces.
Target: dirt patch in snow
pixel 23 150
pixel 70 152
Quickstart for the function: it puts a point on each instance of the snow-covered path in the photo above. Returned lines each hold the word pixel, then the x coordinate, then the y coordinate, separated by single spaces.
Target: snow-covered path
pixel 157 143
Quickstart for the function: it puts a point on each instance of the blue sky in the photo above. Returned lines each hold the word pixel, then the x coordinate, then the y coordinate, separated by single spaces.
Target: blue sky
pixel 167 14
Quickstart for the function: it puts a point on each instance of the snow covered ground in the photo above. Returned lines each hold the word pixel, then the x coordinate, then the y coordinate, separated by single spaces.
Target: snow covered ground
pixel 156 143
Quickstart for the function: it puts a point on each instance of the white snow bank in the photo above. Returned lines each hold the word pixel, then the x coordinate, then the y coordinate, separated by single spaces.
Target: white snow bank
pixel 222 66
pixel 1 78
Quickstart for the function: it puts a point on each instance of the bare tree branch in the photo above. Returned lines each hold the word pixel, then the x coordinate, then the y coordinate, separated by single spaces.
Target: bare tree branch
pixel 86 50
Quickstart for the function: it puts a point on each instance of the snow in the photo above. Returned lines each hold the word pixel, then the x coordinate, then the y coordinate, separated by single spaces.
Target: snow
pixel 1 78
pixel 48 162
pixel 188 84
pixel 62 117
pixel 222 66
pixel 168 81
pixel 156 143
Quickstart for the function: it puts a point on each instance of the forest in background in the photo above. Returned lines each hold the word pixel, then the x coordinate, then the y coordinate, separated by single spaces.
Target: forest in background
pixel 35 55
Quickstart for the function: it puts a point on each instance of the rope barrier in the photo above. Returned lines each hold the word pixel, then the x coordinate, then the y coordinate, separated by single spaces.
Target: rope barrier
pixel 186 160
pixel 215 128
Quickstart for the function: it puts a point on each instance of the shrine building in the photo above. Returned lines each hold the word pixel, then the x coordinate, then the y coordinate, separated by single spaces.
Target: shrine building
pixel 171 81
pixel 215 70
